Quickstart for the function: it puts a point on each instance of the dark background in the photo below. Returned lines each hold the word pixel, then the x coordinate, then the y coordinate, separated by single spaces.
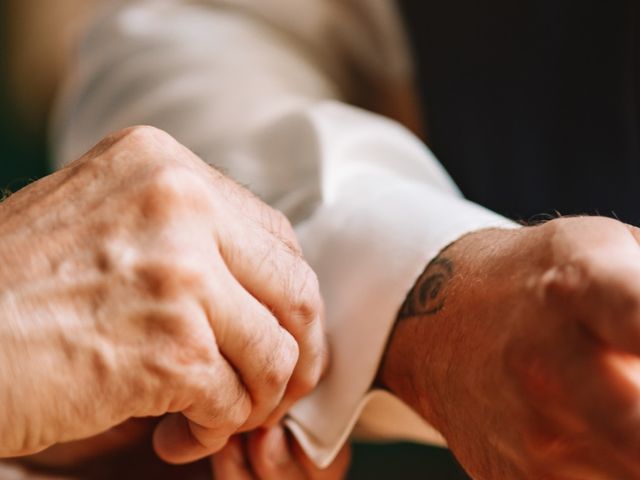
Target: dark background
pixel 533 107
pixel 23 155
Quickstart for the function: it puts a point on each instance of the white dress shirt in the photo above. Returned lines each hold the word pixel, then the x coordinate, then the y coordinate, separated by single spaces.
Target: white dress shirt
pixel 263 89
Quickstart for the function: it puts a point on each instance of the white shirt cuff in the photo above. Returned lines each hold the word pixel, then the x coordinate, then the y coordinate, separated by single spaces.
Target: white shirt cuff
pixel 386 210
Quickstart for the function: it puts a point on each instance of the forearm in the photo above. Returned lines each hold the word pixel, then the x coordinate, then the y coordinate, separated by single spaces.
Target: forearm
pixel 445 316
pixel 521 348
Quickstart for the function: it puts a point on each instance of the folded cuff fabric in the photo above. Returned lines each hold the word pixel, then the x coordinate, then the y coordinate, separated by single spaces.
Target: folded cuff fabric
pixel 386 210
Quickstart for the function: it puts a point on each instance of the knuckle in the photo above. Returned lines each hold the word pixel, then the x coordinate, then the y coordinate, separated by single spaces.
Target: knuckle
pixel 307 379
pixel 144 135
pixel 305 382
pixel 306 301
pixel 106 144
pixel 562 282
pixel 221 410
pixel 275 377
pixel 138 134
pixel 169 181
pixel 139 145
pixel 169 279
pixel 169 191
pixel 189 345
pixel 279 370
pixel 229 417
pixel 164 322
pixel 588 277
pixel 234 416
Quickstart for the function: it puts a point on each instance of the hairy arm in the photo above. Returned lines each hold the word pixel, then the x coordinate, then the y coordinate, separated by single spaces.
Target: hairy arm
pixel 522 348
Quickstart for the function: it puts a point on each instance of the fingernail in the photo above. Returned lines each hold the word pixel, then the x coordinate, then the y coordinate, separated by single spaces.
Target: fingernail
pixel 277 445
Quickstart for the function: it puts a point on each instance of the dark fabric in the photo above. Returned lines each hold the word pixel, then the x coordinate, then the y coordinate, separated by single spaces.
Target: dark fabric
pixel 533 105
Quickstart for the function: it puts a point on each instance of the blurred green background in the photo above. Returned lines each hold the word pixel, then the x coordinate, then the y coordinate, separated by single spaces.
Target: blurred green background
pixel 22 145
pixel 24 157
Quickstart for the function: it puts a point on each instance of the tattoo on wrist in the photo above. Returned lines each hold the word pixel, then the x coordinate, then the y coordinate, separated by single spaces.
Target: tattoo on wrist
pixel 428 295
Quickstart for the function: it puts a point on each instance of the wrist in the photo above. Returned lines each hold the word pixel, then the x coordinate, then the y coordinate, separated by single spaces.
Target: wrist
pixel 442 318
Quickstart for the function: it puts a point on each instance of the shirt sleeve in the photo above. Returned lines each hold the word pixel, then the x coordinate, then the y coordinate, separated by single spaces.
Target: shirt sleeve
pixel 264 90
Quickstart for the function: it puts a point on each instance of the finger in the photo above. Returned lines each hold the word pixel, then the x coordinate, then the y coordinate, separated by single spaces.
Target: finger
pixel 261 351
pixel 295 390
pixel 568 452
pixel 604 396
pixel 230 463
pixel 595 462
pixel 220 406
pixel 616 292
pixel 178 440
pixel 275 454
pixel 578 402
pixel 269 265
pixel 271 457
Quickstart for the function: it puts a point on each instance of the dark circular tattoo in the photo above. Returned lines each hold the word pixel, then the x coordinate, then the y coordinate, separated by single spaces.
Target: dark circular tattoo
pixel 429 293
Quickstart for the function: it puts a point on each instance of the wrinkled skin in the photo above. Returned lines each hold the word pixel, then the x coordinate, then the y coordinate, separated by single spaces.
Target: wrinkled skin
pixel 140 282
pixel 523 348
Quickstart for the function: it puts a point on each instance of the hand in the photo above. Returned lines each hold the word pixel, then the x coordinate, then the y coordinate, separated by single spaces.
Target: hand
pixel 522 348
pixel 139 281
pixel 272 454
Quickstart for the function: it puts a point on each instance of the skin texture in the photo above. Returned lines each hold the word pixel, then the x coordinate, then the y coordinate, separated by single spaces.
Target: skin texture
pixel 522 348
pixel 140 282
